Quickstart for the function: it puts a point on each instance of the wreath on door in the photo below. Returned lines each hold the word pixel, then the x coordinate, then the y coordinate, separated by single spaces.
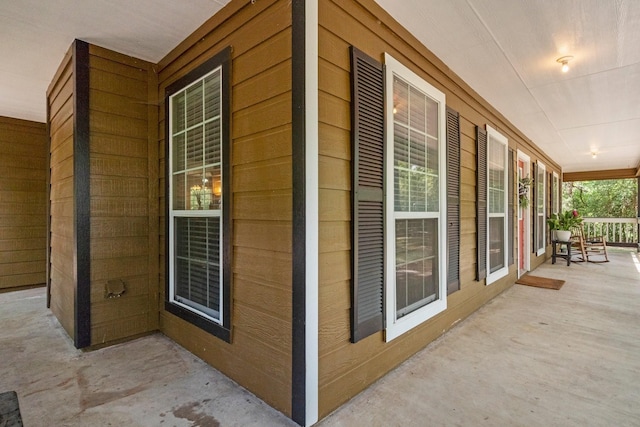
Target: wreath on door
pixel 523 191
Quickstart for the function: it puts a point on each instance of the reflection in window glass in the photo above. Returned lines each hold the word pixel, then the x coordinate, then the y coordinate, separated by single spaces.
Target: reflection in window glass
pixel 416 168
pixel 415 151
pixel 416 264
pixel 496 244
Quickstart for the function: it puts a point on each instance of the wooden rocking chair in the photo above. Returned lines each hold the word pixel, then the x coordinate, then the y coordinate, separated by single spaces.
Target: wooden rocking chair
pixel 595 246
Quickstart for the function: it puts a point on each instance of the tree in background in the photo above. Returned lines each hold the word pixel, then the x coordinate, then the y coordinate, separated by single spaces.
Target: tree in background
pixel 613 198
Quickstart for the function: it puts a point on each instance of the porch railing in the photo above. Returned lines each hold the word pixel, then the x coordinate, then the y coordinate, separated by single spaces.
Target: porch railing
pixel 618 231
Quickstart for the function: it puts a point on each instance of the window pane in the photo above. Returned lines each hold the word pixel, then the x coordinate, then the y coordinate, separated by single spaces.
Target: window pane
pixel 415 154
pixel 200 190
pixel 496 244
pixel 433 202
pixel 540 196
pixel 400 101
pixel 497 169
pixel 212 182
pixel 401 146
pixel 432 156
pixel 212 95
pixel 212 141
pixel 401 189
pixel 416 264
pixel 433 193
pixel 179 106
pixel 401 163
pixel 555 196
pixel 197 272
pixel 194 104
pixel 195 146
pixel 179 192
pixel 418 110
pixel 178 153
pixel 432 118
pixel 541 227
pixel 418 191
pixel 418 152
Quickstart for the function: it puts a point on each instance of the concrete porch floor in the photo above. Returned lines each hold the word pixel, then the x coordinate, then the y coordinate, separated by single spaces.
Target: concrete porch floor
pixel 530 357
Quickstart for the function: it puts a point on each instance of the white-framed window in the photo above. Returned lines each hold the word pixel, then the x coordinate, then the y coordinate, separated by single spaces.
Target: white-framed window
pixel 197 140
pixel 555 197
pixel 497 205
pixel 415 179
pixel 541 223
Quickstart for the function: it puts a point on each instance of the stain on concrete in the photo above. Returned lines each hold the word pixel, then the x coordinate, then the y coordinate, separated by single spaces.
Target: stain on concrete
pixel 91 399
pixel 190 411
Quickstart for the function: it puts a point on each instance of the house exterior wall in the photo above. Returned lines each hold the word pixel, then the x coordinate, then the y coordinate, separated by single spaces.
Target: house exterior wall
pixel 61 233
pixel 100 196
pixel 127 196
pixel 347 368
pixel 259 354
pixel 120 140
pixel 23 207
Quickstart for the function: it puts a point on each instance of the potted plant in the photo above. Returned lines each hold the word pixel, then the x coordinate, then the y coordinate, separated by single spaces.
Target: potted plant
pixel 563 223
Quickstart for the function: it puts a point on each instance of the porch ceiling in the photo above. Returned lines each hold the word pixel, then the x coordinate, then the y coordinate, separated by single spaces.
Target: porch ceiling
pixel 505 50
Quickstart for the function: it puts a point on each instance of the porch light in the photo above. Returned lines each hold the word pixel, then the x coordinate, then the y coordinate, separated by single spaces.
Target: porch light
pixel 594 154
pixel 565 62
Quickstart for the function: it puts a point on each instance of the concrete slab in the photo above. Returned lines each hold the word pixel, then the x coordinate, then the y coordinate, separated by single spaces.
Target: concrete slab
pixel 150 381
pixel 531 357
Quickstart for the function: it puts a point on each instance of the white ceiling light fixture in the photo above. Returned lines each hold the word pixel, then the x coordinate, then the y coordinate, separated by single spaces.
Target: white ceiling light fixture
pixel 565 62
pixel 594 154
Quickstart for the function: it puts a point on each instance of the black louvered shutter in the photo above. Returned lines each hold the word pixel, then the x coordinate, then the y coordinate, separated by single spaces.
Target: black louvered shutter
pixel 453 200
pixel 481 203
pixel 510 210
pixel 367 118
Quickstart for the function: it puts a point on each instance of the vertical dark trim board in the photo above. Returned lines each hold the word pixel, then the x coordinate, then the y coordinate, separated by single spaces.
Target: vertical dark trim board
pixel 48 253
pixel 298 140
pixel 81 195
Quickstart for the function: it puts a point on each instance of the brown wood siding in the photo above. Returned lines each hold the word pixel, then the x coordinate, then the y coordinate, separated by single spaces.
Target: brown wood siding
pixel 61 261
pixel 259 356
pixel 119 111
pixel 23 205
pixel 345 369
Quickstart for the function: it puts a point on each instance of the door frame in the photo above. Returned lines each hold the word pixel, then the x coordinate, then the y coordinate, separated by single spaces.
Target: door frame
pixel 526 214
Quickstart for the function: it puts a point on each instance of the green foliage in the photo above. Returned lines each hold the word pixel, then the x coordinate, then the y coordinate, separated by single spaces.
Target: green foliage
pixel 564 221
pixel 613 198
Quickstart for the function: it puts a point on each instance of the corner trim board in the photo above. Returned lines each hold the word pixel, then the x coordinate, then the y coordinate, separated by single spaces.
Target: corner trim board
pixel 304 380
pixel 81 197
pixel 48 253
